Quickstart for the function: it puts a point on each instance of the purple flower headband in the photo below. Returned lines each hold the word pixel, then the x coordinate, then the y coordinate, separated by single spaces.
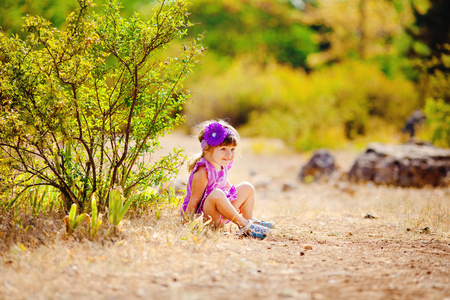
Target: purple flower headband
pixel 215 134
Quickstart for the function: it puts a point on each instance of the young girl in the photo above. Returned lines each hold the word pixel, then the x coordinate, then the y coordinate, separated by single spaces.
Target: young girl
pixel 208 189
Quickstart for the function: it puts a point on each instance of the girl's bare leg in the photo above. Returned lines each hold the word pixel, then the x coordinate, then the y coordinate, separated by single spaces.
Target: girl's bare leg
pixel 245 200
pixel 217 205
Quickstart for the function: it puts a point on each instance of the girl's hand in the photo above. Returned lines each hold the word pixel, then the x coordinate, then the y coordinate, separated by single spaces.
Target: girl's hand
pixel 191 209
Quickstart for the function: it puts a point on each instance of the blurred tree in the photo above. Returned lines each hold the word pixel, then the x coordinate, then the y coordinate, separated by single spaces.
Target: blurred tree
pixel 431 26
pixel 362 29
pixel 438 118
pixel 431 34
pixel 12 12
pixel 262 28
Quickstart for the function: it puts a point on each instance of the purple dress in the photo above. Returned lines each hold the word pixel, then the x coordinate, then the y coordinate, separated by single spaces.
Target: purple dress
pixel 216 180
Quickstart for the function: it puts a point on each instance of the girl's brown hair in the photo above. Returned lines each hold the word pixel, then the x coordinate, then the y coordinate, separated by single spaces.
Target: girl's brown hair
pixel 231 139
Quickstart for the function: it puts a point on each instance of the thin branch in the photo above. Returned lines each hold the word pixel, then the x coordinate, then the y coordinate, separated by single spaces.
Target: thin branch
pixel 157 114
pixel 139 180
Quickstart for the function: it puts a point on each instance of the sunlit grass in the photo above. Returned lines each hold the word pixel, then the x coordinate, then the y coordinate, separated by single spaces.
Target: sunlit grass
pixel 408 209
pixel 425 209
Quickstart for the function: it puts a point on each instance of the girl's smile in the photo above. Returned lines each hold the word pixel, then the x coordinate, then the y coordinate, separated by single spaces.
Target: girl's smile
pixel 221 156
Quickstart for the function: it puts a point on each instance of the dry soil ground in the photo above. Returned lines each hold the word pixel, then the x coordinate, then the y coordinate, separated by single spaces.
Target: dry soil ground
pixel 323 247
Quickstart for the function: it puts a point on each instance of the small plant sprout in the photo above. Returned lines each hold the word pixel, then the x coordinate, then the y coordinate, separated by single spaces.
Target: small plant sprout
pixel 95 220
pixel 195 228
pixel 72 221
pixel 118 206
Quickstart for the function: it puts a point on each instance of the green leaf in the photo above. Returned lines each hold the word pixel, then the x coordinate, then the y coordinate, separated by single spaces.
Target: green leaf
pixel 94 210
pixel 78 220
pixel 125 208
pixel 72 214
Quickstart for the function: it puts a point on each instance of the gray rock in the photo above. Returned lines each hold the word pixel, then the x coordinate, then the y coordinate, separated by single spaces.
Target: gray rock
pixel 406 165
pixel 321 165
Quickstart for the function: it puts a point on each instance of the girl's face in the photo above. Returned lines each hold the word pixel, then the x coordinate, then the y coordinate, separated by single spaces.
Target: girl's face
pixel 220 156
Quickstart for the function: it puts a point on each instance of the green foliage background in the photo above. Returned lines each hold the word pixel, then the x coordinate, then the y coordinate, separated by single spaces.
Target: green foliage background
pixel 82 107
pixel 322 74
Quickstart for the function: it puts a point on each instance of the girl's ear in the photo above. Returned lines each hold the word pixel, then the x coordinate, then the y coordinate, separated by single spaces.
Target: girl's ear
pixel 207 149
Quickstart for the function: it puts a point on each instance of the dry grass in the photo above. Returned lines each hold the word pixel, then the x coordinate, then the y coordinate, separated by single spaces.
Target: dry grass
pixel 323 248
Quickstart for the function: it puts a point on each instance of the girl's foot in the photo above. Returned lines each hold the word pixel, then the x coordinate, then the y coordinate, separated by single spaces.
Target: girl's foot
pixel 254 230
pixel 268 224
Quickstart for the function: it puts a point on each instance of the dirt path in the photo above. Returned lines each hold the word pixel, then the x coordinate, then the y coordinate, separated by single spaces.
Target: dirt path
pixel 323 248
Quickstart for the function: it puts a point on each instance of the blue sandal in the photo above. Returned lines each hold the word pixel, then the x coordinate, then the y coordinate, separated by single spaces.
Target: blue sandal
pixel 268 224
pixel 256 231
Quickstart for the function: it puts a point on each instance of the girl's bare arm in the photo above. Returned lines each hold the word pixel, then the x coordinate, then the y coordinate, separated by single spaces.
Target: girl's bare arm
pixel 199 182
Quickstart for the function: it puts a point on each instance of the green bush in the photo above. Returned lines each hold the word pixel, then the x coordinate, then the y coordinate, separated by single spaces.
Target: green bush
pixel 325 108
pixel 438 118
pixel 82 107
pixel 434 82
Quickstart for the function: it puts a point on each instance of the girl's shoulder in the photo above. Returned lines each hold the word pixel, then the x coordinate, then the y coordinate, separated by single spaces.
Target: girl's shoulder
pixel 201 170
pixel 201 166
pixel 201 173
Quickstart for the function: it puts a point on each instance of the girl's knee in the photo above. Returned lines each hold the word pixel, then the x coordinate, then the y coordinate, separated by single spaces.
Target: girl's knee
pixel 247 186
pixel 217 194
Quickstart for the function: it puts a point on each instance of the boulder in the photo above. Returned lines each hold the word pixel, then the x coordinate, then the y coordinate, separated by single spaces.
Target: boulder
pixel 406 165
pixel 321 165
